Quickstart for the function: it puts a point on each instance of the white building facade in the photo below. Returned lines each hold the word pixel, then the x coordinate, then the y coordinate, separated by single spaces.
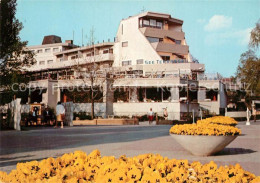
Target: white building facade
pixel 150 63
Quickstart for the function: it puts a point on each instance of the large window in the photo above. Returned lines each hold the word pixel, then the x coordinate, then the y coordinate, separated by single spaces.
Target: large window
pixel 105 51
pixel 48 50
pixel 42 63
pixel 150 23
pixel 146 23
pixel 165 58
pixel 50 61
pixel 159 25
pixel 140 61
pixel 55 49
pixel 39 51
pixel 125 63
pixel 153 39
pixel 125 44
pixel 178 41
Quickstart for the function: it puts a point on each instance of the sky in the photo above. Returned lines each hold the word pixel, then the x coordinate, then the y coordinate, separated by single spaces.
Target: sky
pixel 216 31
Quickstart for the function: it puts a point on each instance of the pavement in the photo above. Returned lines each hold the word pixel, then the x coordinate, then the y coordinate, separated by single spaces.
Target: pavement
pixel 37 143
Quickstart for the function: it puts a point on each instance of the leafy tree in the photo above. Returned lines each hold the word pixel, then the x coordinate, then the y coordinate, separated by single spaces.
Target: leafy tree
pixel 255 36
pixel 248 71
pixel 14 57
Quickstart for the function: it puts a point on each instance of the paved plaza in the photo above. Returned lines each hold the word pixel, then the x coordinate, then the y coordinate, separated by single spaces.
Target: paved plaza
pixel 41 142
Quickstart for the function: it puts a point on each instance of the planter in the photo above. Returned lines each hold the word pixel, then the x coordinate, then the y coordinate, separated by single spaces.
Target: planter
pixel 202 145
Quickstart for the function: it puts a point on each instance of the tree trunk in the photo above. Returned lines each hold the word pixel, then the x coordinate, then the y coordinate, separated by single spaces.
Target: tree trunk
pixel 92 98
pixel 92 104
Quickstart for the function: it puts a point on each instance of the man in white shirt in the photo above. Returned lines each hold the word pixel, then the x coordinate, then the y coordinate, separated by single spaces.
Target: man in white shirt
pixel 150 116
pixel 60 113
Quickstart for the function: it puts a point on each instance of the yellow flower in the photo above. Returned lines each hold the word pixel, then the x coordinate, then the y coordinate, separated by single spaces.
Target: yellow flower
pixel 78 167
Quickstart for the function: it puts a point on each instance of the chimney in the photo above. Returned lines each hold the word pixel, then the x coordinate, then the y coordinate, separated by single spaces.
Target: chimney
pixel 69 41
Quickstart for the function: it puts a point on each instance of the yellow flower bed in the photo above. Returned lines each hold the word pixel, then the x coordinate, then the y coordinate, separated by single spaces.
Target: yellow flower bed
pixel 77 167
pixel 222 120
pixel 204 129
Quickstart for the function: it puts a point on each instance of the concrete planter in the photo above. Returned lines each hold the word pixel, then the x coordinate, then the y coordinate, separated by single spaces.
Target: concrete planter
pixel 202 145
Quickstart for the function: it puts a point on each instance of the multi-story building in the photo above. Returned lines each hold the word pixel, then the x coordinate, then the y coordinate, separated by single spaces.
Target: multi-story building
pixel 152 68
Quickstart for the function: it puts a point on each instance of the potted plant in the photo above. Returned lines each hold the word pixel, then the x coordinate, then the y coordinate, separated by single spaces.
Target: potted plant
pixel 220 120
pixel 204 139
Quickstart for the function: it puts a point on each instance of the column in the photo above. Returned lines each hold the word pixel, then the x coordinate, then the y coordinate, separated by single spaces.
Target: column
pixel 175 96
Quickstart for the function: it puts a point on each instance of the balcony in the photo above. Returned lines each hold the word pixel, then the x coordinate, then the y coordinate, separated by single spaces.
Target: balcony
pixel 160 33
pixel 172 48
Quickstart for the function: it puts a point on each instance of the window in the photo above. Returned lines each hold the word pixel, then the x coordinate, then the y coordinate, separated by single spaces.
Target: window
pixel 105 51
pixel 146 23
pixel 153 39
pixel 48 50
pixel 140 61
pixel 39 51
pixel 125 44
pixel 141 23
pixel 178 41
pixel 165 58
pixel 42 62
pixel 125 63
pixel 55 49
pixel 110 50
pixel 88 54
pixel 152 22
pixel 159 25
pixel 50 61
pixel 74 57
pixel 160 39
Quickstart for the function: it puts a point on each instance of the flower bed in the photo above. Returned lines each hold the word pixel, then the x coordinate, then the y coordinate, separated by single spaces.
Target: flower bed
pixel 204 129
pixel 78 167
pixel 221 120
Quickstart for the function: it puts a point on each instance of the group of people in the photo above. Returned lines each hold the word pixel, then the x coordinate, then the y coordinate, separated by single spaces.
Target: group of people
pixel 48 115
pixel 151 115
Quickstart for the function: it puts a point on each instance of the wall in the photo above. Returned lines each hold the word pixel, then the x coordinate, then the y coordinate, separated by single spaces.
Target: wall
pixel 138 46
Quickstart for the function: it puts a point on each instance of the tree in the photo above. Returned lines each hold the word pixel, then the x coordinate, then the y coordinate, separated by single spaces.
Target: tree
pixel 14 58
pixel 93 76
pixel 248 71
pixel 255 36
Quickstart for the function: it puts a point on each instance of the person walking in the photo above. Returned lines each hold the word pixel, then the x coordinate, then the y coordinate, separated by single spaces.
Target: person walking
pixel 60 114
pixel 150 116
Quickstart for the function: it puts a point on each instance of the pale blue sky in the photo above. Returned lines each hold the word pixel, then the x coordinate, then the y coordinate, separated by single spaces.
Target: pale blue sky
pixel 216 31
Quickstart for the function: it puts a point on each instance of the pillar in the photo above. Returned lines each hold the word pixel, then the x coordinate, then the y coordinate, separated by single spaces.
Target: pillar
pixel 108 96
pixel 175 96
pixel 201 94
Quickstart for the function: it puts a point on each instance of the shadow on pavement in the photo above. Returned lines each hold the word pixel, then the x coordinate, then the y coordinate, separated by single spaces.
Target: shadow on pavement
pixel 234 151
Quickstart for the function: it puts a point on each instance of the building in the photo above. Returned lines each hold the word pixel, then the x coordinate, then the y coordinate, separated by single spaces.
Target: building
pixel 151 67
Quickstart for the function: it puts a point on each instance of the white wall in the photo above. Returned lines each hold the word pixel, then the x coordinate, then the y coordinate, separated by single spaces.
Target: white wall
pixel 138 46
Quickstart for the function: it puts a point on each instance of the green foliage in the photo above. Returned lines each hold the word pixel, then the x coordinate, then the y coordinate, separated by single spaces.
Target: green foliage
pixel 13 55
pixel 248 71
pixel 255 36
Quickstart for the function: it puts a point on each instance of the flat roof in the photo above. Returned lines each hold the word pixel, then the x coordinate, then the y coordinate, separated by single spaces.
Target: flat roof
pixel 85 48
pixel 50 45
